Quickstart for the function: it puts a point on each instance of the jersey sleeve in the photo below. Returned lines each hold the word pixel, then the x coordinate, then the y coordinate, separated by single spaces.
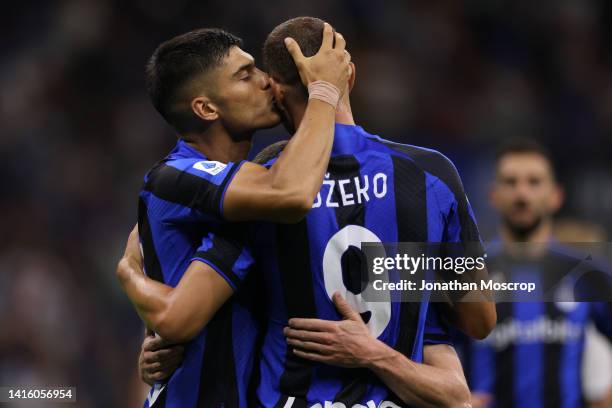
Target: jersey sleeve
pixel 230 257
pixel 460 220
pixel 189 189
pixel 436 331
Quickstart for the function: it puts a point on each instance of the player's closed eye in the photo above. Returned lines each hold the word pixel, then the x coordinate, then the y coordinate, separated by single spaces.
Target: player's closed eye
pixel 535 181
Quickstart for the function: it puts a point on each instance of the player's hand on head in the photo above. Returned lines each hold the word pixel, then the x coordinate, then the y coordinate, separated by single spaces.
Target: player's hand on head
pixel 158 360
pixel 330 63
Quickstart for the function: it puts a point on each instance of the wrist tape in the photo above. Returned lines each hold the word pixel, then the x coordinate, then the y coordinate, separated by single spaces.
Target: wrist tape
pixel 324 91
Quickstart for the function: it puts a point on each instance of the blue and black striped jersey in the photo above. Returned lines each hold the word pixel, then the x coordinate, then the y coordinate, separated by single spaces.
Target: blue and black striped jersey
pixel 180 210
pixel 374 191
pixel 533 357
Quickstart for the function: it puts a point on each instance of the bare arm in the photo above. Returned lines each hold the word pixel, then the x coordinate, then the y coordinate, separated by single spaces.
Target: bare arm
pixel 176 314
pixel 438 382
pixel 476 319
pixel 474 313
pixel 286 191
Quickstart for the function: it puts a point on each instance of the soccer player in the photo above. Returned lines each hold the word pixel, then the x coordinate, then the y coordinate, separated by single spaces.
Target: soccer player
pixel 376 189
pixel 210 91
pixel 533 357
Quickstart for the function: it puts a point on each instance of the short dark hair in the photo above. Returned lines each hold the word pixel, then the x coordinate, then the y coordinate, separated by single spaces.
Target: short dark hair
pixel 307 31
pixel 178 61
pixel 525 146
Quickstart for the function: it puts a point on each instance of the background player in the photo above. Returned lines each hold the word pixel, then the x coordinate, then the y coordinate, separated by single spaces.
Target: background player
pixel 512 368
pixel 345 136
pixel 209 89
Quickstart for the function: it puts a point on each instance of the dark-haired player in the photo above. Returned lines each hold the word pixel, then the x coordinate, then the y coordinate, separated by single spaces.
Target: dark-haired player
pixel 533 357
pixel 386 192
pixel 210 91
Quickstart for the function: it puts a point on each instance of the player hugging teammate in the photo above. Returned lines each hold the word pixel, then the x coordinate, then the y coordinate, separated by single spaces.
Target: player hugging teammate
pixel 270 311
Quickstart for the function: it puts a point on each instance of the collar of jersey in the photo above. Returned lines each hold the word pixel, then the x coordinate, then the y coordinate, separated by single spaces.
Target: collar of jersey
pixel 184 150
pixel 347 139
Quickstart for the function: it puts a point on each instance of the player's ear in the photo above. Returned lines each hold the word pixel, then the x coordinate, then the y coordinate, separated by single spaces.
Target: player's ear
pixel 351 81
pixel 204 108
pixel 277 91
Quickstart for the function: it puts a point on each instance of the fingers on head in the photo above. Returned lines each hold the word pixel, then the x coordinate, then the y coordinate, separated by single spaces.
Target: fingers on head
pixel 294 49
pixel 347 56
pixel 340 41
pixel 328 37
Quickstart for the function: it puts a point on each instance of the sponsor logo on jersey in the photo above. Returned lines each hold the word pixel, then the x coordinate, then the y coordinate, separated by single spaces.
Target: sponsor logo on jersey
pixel 540 330
pixel 210 167
pixel 332 404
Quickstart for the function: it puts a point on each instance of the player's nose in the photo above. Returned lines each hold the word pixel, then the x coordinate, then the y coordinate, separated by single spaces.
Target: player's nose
pixel 523 190
pixel 264 80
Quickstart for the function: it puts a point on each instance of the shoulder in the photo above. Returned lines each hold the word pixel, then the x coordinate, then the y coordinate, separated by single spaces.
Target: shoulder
pixel 187 170
pixel 428 160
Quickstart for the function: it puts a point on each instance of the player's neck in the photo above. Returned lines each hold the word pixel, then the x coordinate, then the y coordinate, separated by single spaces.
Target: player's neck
pixel 344 113
pixel 541 234
pixel 218 145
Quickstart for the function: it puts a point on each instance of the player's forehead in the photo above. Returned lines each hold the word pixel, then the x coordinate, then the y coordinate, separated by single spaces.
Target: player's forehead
pixel 236 60
pixel 523 164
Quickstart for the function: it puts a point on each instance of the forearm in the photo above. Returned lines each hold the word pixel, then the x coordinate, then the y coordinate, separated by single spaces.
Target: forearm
pixel 476 319
pixel 149 297
pixel 176 314
pixel 418 384
pixel 474 311
pixel 305 158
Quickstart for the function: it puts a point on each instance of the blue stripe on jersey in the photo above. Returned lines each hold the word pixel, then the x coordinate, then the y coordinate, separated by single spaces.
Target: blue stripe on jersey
pixel 482 368
pixel 181 390
pixel 571 362
pixel 417 348
pixel 227 183
pixel 436 209
pixel 244 331
pixel 528 361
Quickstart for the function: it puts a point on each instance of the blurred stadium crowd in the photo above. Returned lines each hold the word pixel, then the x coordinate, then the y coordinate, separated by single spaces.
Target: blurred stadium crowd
pixel 78 134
